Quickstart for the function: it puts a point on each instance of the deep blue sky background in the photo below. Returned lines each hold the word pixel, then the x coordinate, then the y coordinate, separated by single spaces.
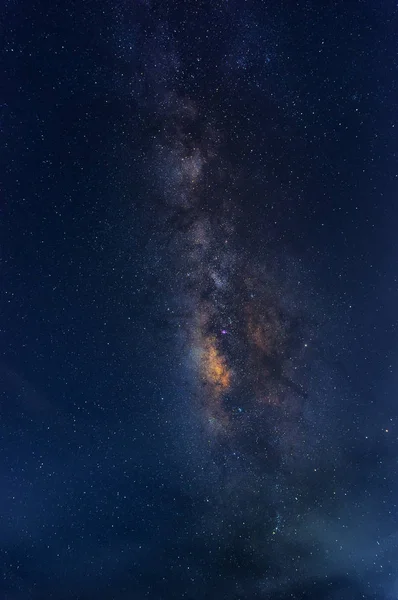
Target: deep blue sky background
pixel 94 501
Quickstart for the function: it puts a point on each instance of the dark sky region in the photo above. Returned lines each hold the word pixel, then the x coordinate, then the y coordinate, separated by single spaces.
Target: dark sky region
pixel 199 291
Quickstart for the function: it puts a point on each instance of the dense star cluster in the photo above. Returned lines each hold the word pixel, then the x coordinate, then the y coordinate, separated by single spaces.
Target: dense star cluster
pixel 198 302
pixel 250 327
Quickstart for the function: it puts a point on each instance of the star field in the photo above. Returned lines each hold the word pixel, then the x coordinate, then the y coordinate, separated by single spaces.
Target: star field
pixel 198 302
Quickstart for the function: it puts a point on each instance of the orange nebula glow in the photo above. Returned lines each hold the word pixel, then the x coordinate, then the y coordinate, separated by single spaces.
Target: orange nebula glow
pixel 214 367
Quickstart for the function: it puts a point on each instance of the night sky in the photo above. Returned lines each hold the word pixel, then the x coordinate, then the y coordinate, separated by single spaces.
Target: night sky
pixel 199 291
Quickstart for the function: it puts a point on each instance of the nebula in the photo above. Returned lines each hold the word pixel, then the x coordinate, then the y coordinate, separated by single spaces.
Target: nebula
pixel 247 330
